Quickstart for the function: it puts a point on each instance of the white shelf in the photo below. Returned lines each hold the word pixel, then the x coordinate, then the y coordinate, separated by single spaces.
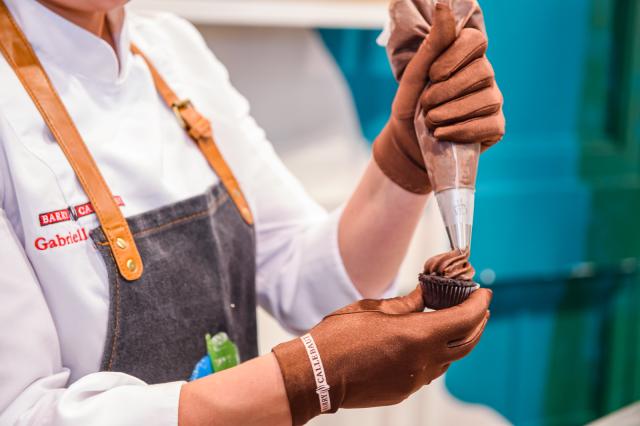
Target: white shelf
pixel 277 13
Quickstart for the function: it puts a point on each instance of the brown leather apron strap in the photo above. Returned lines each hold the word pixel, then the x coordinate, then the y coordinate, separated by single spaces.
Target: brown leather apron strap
pixel 19 54
pixel 199 129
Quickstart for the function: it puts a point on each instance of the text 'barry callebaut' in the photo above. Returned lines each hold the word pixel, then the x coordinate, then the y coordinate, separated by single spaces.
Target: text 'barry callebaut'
pixel 322 387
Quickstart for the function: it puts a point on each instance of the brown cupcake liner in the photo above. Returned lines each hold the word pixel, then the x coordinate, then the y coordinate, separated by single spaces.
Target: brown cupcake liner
pixel 441 293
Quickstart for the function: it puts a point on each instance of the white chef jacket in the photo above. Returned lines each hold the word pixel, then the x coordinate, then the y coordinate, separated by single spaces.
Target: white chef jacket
pixel 54 293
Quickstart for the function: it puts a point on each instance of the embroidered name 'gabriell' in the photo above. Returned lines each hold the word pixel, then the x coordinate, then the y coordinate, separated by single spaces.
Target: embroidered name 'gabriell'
pixel 322 387
pixel 75 237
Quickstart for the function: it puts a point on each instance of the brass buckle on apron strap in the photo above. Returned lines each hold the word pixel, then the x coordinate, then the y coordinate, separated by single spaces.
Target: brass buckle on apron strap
pixel 199 129
pixel 177 108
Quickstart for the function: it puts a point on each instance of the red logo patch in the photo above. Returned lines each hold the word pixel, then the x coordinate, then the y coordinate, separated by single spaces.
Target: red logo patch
pixel 67 214
pixel 54 217
pixel 87 208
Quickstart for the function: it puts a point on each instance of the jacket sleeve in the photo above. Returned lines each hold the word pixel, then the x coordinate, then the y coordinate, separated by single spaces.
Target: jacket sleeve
pixel 34 388
pixel 301 275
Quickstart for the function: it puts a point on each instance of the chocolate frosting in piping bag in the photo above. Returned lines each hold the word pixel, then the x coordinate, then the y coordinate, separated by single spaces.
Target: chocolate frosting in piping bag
pixel 454 264
pixel 452 167
pixel 410 22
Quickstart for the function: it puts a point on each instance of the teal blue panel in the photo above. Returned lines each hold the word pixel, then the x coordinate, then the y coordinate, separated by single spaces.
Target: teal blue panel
pixel 531 212
pixel 366 69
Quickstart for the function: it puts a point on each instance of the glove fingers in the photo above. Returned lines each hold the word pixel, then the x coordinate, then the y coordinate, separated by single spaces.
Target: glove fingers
pixel 486 130
pixel 471 44
pixel 462 347
pixel 460 321
pixel 414 79
pixel 475 76
pixel 477 104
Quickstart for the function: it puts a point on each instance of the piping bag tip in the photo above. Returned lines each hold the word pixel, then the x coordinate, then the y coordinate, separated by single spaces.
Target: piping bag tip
pixel 456 207
pixel 453 170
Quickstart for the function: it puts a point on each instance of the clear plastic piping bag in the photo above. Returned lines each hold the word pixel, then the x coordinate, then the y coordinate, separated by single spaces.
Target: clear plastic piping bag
pixel 452 167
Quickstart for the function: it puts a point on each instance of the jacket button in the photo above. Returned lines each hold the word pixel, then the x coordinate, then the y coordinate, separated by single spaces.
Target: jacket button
pixel 131 265
pixel 122 244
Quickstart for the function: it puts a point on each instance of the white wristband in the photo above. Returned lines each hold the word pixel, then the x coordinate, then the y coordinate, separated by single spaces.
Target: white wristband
pixel 322 387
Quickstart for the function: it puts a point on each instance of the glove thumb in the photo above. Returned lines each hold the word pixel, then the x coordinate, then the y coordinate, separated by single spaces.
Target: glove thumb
pixel 412 302
pixel 408 304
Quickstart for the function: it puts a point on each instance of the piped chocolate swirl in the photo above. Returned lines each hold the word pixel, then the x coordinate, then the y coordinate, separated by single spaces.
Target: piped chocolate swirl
pixel 454 264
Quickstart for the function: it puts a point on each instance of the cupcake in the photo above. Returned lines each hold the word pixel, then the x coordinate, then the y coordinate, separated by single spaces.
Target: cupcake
pixel 447 280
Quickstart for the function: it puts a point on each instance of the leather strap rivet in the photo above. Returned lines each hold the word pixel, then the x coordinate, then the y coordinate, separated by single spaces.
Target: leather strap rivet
pixel 131 265
pixel 122 244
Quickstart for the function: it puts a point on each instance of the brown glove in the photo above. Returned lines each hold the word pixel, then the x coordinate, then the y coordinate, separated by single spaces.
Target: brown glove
pixel 377 352
pixel 462 102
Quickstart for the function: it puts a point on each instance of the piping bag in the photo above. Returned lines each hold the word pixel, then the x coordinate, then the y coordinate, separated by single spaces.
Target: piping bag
pixel 452 167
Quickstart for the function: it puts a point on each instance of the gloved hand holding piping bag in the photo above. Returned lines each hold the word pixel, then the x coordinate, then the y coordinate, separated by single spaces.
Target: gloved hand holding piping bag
pixel 442 118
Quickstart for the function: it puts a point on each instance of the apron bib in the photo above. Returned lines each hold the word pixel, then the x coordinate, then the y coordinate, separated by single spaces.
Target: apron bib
pixel 199 278
pixel 175 273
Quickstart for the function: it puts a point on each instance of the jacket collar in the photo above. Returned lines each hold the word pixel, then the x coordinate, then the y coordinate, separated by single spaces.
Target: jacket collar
pixel 71 47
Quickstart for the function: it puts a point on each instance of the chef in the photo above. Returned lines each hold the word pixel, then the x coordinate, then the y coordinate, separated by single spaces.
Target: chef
pixel 143 208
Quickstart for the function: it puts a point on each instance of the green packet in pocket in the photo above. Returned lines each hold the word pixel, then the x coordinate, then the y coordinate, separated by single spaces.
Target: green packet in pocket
pixel 222 354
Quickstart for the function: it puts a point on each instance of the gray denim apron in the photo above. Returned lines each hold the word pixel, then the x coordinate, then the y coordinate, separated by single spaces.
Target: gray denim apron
pixel 199 278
